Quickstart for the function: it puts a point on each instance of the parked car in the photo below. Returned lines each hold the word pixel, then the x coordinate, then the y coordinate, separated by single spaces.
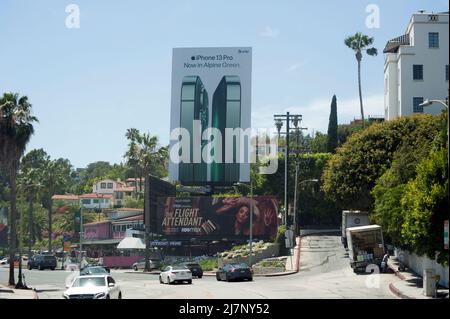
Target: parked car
pixel 195 269
pixel 4 261
pixel 231 272
pixel 172 274
pixel 94 270
pixel 42 261
pixel 140 265
pixel 93 287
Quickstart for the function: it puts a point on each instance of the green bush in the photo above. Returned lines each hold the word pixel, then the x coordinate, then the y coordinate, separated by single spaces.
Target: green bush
pixel 209 264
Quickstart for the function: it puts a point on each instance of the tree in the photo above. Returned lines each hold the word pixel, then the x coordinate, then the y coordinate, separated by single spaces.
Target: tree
pixel 353 171
pixel 16 129
pixel 359 43
pixel 318 144
pixel 31 168
pixel 55 180
pixel 425 207
pixel 332 136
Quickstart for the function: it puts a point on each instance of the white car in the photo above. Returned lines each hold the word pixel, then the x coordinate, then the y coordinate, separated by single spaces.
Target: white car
pixel 172 274
pixel 93 287
pixel 4 261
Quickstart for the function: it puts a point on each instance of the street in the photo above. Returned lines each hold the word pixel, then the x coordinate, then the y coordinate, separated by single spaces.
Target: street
pixel 324 273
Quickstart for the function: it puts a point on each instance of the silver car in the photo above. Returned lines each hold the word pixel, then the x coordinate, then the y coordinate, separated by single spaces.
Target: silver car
pixel 140 265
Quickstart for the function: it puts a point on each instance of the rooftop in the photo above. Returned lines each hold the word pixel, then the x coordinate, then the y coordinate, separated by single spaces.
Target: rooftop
pixel 65 197
pixel 94 195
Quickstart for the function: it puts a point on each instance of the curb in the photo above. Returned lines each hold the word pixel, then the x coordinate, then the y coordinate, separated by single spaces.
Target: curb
pixel 398 293
pixel 392 287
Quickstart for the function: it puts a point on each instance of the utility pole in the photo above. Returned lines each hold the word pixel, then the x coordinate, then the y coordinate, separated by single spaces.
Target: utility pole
pixel 251 223
pixel 81 234
pixel 279 119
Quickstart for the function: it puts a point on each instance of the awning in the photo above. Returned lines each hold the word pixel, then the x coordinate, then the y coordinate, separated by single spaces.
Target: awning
pixel 131 243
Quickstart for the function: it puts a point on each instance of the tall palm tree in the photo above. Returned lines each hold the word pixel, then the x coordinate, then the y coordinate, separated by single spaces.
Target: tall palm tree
pixel 132 154
pixel 16 129
pixel 359 43
pixel 54 179
pixel 31 168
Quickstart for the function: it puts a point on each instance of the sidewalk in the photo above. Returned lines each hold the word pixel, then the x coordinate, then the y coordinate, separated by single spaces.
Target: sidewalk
pixel 8 293
pixel 410 285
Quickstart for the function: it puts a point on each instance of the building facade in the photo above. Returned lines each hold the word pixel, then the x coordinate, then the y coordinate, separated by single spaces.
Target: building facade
pixel 416 66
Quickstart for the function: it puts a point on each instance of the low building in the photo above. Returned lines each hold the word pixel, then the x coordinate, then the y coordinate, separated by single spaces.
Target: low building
pixel 68 199
pixel 96 201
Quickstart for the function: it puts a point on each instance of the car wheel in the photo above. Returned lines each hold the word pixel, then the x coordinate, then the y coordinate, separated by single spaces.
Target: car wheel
pixel 40 267
pixel 120 295
pixel 227 278
pixel 53 268
pixel 217 277
pixel 250 279
pixel 135 268
pixel 200 276
pixel 107 297
pixel 168 280
pixel 189 281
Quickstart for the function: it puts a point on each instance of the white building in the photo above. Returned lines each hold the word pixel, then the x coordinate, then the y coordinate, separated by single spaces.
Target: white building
pixel 96 201
pixel 106 186
pixel 416 66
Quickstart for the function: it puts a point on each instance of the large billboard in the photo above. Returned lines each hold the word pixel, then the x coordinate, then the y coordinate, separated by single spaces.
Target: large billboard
pixel 211 105
pixel 217 217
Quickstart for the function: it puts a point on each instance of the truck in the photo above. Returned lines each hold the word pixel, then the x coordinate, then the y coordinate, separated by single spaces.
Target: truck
pixel 352 218
pixel 365 246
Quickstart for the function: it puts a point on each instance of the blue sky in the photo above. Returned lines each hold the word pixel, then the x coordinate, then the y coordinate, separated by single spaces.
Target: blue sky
pixel 89 85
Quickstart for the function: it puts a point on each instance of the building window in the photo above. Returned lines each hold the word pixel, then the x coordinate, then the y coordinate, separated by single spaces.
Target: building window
pixel 433 40
pixel 95 201
pixel 102 185
pixel 446 72
pixel 110 185
pixel 86 201
pixel 416 104
pixel 417 72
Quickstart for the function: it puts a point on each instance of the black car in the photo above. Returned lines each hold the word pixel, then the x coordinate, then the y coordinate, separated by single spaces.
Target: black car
pixel 94 270
pixel 42 262
pixel 195 269
pixel 231 272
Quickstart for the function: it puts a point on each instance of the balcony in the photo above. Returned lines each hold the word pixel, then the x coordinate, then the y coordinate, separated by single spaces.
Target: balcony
pixel 393 45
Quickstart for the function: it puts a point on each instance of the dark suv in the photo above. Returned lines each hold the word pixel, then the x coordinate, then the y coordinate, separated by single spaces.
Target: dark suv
pixel 195 269
pixel 42 262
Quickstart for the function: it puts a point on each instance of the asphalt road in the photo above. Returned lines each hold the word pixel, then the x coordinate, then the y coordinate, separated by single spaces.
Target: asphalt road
pixel 324 273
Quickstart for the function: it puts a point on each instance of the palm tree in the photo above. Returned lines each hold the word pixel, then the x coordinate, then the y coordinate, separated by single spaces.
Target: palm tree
pixel 132 154
pixel 359 43
pixel 31 168
pixel 16 129
pixel 54 179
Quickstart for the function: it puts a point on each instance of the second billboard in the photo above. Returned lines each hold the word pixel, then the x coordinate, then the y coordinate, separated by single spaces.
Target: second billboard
pixel 211 92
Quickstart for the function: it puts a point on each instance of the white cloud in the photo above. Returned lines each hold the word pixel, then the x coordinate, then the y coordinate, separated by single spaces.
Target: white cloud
pixel 270 32
pixel 316 114
pixel 295 66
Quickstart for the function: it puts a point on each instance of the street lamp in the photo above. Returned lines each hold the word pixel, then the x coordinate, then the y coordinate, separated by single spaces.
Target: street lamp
pixel 313 180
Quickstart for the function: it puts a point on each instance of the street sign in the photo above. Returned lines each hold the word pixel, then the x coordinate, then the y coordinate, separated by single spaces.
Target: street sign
pixel 289 238
pixel 446 234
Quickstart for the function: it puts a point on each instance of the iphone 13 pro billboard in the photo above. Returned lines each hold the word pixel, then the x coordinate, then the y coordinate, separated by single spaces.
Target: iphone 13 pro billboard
pixel 210 113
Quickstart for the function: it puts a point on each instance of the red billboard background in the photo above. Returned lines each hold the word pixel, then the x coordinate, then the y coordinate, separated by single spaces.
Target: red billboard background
pixel 217 217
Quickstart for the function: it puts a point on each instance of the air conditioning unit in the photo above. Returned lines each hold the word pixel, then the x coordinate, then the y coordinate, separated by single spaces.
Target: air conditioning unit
pixel 433 17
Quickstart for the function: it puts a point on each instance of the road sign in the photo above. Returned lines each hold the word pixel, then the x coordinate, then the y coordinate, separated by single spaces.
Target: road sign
pixel 446 234
pixel 289 238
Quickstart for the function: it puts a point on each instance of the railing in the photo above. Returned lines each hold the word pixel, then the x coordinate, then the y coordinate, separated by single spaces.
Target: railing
pixel 393 44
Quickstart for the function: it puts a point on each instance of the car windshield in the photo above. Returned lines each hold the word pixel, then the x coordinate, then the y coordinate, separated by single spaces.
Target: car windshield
pixel 96 270
pixel 49 257
pixel 239 266
pixel 89 282
pixel 179 268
